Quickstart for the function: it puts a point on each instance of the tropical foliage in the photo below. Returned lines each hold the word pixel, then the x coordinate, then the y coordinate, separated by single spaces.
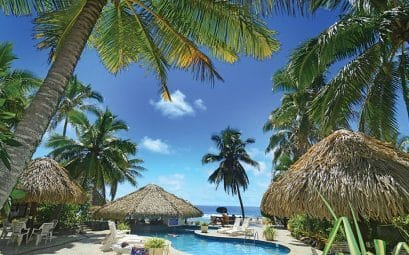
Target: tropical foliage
pixel 293 128
pixel 371 37
pixel 354 237
pixel 75 103
pixel 232 152
pixel 99 158
pixel 159 35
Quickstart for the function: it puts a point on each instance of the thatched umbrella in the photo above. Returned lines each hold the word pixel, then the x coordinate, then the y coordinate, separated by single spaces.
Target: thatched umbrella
pixel 346 167
pixel 45 181
pixel 150 201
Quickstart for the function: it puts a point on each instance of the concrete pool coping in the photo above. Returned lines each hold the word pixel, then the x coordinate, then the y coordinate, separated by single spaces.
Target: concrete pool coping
pixel 283 238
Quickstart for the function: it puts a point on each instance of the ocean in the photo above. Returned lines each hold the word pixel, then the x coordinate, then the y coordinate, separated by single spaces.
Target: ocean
pixel 250 211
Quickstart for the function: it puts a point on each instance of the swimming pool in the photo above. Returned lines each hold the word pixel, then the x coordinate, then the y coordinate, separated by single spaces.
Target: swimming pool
pixel 187 241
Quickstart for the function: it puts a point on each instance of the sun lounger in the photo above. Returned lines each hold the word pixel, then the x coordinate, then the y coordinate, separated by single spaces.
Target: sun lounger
pixel 236 226
pixel 115 237
pixel 241 230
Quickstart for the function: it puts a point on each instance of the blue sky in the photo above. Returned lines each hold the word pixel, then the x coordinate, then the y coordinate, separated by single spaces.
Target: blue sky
pixel 172 138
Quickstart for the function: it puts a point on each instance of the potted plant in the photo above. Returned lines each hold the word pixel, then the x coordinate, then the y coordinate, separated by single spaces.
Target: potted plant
pixel 155 246
pixel 204 227
pixel 269 233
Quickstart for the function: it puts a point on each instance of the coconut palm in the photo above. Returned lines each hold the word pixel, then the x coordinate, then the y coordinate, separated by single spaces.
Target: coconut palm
pixel 159 35
pixel 293 129
pixel 74 102
pixel 99 158
pixel 372 37
pixel 232 153
pixel 16 86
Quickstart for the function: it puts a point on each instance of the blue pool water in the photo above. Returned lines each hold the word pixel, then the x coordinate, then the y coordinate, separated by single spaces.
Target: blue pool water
pixel 188 242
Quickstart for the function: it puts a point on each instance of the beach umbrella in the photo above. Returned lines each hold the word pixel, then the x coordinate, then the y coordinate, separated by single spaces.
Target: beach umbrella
pixel 346 168
pixel 150 201
pixel 221 209
pixel 45 181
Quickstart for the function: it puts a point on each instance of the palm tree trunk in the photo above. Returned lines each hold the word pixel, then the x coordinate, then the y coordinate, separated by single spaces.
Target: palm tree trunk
pixel 64 131
pixel 36 118
pixel 241 202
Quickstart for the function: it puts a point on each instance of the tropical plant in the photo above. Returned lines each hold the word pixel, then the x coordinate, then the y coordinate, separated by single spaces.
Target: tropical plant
pixel 155 243
pixel 157 34
pixel 269 233
pixel 16 194
pixel 293 129
pixel 355 240
pixel 232 151
pixel 16 86
pixel 74 102
pixel 372 37
pixel 99 158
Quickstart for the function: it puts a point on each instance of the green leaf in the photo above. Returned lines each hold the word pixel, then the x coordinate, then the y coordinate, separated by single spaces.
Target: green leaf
pixel 380 247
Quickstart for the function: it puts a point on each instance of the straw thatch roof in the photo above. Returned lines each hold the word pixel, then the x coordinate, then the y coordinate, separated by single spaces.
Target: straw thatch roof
pixel 45 181
pixel 346 167
pixel 149 201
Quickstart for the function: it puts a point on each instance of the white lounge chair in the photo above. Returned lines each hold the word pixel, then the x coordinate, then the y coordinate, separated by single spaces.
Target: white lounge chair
pixel 115 237
pixel 236 226
pixel 241 230
pixel 6 229
pixel 45 231
pixel 18 231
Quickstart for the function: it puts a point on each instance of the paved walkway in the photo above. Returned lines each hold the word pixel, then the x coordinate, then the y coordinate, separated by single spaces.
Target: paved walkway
pixel 88 244
pixel 283 237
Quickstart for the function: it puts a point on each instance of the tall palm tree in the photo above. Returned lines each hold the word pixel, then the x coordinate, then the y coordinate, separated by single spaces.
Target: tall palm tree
pixel 74 103
pixel 232 152
pixel 16 86
pixel 373 38
pixel 99 158
pixel 156 34
pixel 293 129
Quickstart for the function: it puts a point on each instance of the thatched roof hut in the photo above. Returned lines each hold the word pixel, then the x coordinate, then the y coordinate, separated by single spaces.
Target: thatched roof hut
pixel 45 181
pixel 148 202
pixel 346 167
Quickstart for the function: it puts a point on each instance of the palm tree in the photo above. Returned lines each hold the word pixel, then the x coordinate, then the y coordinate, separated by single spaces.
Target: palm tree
pixel 99 158
pixel 230 171
pixel 157 34
pixel 293 129
pixel 16 86
pixel 373 37
pixel 74 103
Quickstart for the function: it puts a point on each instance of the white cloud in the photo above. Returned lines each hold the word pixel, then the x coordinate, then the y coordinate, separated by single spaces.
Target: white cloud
pixel 173 182
pixel 200 104
pixel 178 107
pixel 261 170
pixel 155 145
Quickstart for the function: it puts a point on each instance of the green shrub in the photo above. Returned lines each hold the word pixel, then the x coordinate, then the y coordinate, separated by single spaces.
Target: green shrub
pixel 402 224
pixel 123 226
pixel 204 224
pixel 69 215
pixel 154 243
pixel 305 226
pixel 269 233
pixel 197 223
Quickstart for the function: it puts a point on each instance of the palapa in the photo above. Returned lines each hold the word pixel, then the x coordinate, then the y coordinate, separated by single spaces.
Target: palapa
pixel 149 201
pixel 345 167
pixel 45 181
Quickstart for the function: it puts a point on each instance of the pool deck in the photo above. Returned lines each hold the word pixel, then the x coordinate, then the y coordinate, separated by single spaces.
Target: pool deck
pixel 283 237
pixel 86 244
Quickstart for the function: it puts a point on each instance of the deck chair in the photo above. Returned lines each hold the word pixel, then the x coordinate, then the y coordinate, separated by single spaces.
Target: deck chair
pixel 236 226
pixel 44 232
pixel 18 231
pixel 6 229
pixel 241 230
pixel 115 236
